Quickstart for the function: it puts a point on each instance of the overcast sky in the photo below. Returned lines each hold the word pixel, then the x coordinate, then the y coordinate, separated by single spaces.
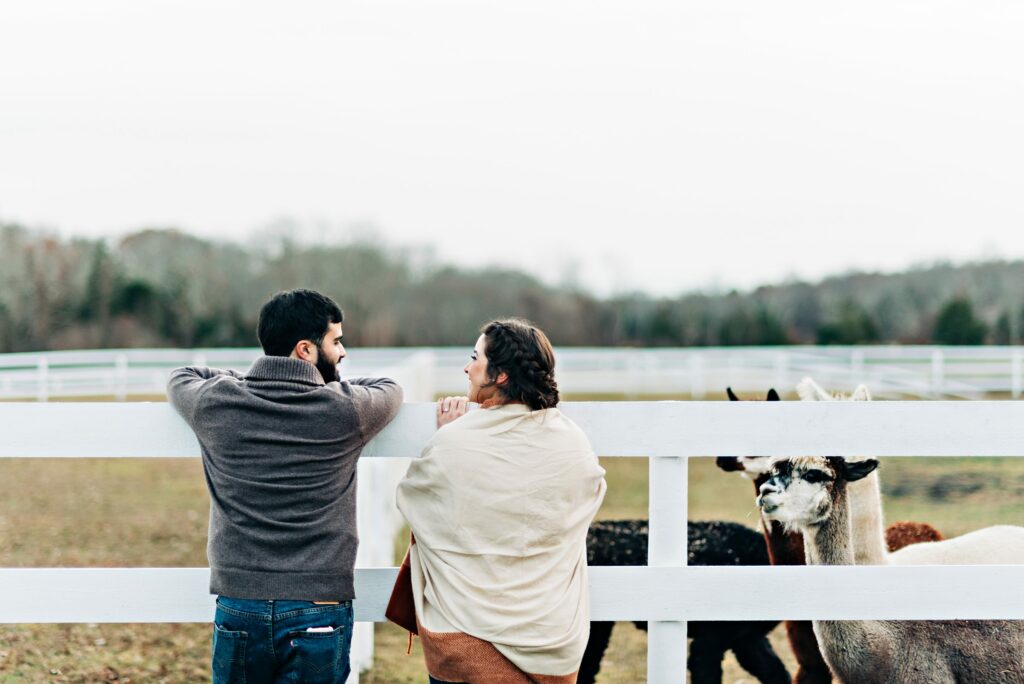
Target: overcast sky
pixel 662 146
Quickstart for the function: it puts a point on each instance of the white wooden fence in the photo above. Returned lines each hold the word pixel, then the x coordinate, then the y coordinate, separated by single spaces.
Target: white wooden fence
pixel 666 594
pixel 890 371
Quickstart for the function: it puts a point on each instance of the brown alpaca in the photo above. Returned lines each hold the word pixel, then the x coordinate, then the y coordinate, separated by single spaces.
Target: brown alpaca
pixel 905 533
pixel 787 548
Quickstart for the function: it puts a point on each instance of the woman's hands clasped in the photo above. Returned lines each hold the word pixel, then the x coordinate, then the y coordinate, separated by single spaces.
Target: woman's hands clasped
pixel 450 408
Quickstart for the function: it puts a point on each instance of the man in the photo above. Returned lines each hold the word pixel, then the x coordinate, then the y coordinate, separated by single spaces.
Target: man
pixel 279 448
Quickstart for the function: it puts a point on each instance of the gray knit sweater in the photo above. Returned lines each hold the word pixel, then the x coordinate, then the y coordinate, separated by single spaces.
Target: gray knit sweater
pixel 279 451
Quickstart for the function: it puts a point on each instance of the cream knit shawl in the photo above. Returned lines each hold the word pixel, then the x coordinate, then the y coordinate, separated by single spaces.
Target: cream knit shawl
pixel 500 502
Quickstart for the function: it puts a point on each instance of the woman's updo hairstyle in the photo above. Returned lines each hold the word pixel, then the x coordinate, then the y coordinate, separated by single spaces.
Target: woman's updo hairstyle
pixel 520 349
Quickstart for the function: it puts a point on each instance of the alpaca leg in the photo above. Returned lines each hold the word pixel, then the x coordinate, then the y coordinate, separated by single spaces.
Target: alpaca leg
pixel 705 662
pixel 600 634
pixel 811 667
pixel 756 656
pixel 807 675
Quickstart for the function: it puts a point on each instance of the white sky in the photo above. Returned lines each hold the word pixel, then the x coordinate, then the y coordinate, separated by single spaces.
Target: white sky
pixel 652 145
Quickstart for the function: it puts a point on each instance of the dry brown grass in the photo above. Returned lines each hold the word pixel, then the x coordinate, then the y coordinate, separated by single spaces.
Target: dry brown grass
pixel 152 512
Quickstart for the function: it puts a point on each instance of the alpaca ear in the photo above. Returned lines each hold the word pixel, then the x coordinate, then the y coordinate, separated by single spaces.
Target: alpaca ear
pixel 729 464
pixel 858 470
pixel 772 395
pixel 755 465
pixel 732 395
pixel 861 393
pixel 808 390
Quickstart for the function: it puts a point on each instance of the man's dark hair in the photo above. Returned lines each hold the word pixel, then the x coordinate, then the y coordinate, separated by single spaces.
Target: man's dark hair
pixel 292 316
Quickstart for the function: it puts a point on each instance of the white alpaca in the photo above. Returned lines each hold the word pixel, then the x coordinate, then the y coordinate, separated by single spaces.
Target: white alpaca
pixel 1000 544
pixel 811 494
pixel 865 495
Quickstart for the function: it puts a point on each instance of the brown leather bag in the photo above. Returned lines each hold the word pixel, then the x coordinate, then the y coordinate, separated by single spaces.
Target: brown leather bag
pixel 401 607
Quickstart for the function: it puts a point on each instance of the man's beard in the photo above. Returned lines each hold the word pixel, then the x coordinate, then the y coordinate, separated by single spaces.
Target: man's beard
pixel 328 370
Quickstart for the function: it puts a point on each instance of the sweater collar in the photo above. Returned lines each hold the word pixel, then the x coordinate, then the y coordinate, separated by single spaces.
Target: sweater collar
pixel 284 369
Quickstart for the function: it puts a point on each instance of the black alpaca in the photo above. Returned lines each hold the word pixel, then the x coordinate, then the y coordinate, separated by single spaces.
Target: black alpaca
pixel 624 542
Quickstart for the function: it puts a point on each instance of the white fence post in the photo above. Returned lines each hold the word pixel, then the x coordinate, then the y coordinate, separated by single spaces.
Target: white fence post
pixel 121 377
pixel 634 369
pixel 856 367
pixel 697 385
pixel 43 375
pixel 938 373
pixel 667 546
pixel 1015 373
pixel 379 519
pixel 781 374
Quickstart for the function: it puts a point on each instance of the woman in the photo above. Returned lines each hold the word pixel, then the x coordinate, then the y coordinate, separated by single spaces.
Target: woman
pixel 499 504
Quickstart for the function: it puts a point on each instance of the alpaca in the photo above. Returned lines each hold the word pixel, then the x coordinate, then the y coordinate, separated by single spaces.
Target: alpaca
pixel 865 494
pixel 811 494
pixel 999 544
pixel 624 542
pixel 787 548
pixel 784 548
pixel 905 533
pixel 868 515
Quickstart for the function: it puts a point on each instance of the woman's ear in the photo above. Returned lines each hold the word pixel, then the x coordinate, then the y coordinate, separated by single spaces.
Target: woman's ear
pixel 501 379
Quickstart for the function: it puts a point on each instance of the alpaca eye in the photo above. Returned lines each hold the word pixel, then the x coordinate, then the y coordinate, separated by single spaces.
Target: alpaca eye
pixel 814 476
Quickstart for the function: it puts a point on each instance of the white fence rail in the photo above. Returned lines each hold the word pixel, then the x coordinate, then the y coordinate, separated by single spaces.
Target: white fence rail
pixel 666 594
pixel 891 371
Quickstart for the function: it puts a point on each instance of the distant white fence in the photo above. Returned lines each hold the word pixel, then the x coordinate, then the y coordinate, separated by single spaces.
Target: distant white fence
pixel 890 371
pixel 667 593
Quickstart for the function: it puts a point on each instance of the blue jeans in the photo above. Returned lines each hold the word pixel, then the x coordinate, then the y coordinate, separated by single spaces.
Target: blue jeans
pixel 267 642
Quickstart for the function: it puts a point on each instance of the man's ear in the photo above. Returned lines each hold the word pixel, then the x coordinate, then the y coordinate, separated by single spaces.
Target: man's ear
pixel 305 350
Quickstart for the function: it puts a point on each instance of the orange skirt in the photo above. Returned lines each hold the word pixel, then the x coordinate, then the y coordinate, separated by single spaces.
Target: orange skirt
pixel 458 657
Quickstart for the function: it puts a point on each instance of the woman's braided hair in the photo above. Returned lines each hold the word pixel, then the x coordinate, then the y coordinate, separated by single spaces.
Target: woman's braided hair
pixel 522 350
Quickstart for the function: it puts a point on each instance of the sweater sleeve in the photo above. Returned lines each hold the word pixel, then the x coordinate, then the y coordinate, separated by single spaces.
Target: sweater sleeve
pixel 377 401
pixel 186 386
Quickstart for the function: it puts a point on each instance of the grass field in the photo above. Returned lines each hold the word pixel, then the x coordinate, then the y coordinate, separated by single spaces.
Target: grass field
pixel 153 512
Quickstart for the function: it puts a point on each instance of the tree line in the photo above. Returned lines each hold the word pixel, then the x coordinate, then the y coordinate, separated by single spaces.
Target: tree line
pixel 166 288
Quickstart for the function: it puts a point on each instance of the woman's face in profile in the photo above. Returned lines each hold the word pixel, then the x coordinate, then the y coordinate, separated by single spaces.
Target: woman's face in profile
pixel 476 370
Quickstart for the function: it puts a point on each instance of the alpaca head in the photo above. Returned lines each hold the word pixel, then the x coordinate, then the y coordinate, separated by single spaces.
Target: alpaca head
pixel 800 492
pixel 772 395
pixel 808 390
pixel 750 466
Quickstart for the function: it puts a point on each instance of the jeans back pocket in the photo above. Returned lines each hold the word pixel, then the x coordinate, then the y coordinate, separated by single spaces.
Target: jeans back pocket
pixel 318 654
pixel 228 656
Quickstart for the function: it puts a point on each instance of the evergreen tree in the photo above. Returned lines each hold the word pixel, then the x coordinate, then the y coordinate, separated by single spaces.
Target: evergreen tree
pixel 957 324
pixel 97 298
pixel 755 327
pixel 1008 327
pixel 853 325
